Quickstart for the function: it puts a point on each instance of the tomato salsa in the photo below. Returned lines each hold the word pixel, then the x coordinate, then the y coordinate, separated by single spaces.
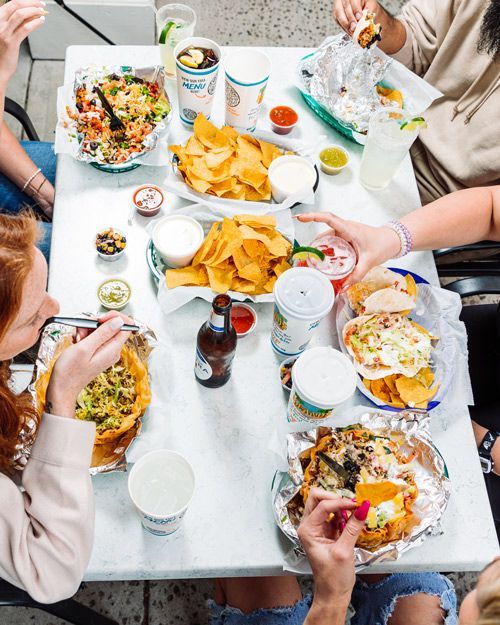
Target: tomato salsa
pixel 283 119
pixel 243 318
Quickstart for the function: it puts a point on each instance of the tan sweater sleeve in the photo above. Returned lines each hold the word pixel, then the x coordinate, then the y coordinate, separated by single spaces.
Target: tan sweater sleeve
pixel 46 532
pixel 423 20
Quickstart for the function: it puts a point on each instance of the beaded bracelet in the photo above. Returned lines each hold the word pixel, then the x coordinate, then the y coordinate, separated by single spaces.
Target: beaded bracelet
pixel 404 235
pixel 30 179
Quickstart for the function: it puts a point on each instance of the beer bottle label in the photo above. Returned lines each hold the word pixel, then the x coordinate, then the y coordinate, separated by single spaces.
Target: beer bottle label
pixel 216 322
pixel 202 369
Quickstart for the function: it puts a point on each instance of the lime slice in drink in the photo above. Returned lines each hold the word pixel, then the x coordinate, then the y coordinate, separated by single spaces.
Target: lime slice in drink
pixel 166 29
pixel 413 124
pixel 301 253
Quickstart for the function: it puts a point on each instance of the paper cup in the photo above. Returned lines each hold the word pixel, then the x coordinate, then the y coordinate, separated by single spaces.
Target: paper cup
pixel 195 87
pixel 322 378
pixel 302 296
pixel 161 486
pixel 247 73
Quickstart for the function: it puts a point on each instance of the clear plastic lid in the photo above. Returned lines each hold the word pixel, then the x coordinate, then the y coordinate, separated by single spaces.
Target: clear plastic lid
pixel 304 293
pixel 324 377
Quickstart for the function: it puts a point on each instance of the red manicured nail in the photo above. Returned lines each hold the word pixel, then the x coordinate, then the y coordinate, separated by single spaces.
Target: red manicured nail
pixel 344 516
pixel 353 499
pixel 362 512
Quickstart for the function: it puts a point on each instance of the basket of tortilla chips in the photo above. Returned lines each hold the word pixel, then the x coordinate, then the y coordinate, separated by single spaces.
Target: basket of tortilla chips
pixel 386 459
pixel 223 165
pixel 115 400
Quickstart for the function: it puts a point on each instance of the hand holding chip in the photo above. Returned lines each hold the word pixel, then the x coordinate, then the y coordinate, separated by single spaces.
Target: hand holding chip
pixel 329 543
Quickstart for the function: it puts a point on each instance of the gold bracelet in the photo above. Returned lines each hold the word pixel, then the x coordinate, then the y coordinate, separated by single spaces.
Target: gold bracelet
pixel 30 179
pixel 41 185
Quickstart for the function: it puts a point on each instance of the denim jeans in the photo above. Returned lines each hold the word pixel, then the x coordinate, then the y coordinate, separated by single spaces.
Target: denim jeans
pixel 373 604
pixel 12 200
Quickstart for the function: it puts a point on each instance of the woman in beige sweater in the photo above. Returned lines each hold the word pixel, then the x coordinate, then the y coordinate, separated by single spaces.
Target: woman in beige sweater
pixel 46 511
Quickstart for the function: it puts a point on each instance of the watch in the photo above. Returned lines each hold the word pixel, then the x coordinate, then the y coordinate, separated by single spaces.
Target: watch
pixel 484 450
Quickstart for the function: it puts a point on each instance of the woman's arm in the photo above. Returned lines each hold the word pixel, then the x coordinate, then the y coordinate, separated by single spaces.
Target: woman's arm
pixel 18 167
pixel 458 218
pixel 46 533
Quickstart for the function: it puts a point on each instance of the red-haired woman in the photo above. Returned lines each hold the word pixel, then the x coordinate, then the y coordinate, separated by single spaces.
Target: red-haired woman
pixel 46 511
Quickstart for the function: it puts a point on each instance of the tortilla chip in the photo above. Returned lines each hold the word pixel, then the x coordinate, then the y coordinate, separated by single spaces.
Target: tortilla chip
pixel 208 134
pixel 412 392
pixel 376 492
pixel 380 389
pixel 182 277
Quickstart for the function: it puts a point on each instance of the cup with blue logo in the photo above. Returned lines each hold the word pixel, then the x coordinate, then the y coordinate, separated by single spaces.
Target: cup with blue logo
pixel 161 486
pixel 197 61
pixel 247 73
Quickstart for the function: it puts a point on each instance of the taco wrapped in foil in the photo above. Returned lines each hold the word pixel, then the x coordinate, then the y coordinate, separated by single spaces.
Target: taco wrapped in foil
pixel 115 400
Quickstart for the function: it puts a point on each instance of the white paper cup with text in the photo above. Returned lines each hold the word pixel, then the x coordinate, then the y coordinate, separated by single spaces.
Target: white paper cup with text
pixel 303 297
pixel 247 73
pixel 322 378
pixel 161 486
pixel 195 87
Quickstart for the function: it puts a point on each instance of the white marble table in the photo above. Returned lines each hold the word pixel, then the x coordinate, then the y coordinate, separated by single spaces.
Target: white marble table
pixel 225 433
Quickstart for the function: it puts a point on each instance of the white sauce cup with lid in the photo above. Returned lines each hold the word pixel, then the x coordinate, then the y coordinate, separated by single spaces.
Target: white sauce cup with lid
pixel 322 378
pixel 303 297
pixel 177 239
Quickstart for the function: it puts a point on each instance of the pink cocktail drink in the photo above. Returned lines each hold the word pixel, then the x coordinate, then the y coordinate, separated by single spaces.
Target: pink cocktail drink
pixel 339 261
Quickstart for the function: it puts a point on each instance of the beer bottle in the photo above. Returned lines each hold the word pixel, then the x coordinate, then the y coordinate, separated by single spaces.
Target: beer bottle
pixel 215 345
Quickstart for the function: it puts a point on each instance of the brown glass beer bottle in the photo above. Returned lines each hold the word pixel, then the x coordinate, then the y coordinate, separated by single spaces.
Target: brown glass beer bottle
pixel 216 345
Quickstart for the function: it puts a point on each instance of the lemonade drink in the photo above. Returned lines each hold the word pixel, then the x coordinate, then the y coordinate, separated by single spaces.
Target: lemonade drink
pixel 174 22
pixel 390 135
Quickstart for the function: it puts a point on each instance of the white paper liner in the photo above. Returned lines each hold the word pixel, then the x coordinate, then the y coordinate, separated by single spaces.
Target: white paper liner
pixel 172 299
pixel 438 311
pixel 430 476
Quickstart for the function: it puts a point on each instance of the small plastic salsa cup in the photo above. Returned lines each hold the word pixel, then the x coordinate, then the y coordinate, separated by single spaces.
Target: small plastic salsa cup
pixel 333 159
pixel 148 200
pixel 283 119
pixel 114 293
pixel 243 318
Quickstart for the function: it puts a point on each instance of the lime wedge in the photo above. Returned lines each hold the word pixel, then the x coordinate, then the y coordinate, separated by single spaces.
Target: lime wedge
pixel 302 252
pixel 166 29
pixel 412 124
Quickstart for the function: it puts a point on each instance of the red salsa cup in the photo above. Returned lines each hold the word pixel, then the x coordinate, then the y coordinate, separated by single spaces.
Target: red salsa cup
pixel 148 200
pixel 283 119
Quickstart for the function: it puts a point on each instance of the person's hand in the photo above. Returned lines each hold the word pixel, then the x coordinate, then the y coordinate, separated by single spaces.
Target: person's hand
pixel 44 197
pixel 18 19
pixel 80 363
pixel 373 245
pixel 329 537
pixel 349 12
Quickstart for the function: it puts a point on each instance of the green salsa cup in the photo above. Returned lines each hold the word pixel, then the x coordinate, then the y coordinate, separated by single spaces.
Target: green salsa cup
pixel 114 293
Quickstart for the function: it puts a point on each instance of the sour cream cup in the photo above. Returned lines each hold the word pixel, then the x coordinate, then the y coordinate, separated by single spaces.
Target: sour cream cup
pixel 148 200
pixel 288 174
pixel 303 297
pixel 161 486
pixel 322 378
pixel 177 239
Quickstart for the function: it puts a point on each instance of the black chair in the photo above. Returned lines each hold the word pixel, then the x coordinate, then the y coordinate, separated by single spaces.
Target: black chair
pixel 17 111
pixel 477 259
pixel 483 331
pixel 68 610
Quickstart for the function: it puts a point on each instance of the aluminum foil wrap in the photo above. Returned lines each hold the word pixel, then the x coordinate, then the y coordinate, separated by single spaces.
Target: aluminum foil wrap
pixel 93 74
pixel 55 337
pixel 341 76
pixel 431 476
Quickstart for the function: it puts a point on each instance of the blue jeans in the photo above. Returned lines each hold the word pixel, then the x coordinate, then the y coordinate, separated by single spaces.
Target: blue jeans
pixel 373 603
pixel 12 200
